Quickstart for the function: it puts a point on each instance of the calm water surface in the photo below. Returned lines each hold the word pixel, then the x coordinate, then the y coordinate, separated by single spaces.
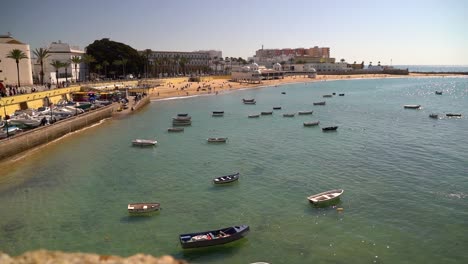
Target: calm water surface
pixel 405 178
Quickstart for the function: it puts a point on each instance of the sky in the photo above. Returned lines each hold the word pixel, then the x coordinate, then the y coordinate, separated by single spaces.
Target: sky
pixel 397 32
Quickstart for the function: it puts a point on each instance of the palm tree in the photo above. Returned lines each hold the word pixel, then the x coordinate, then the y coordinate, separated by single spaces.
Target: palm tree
pixel 342 60
pixel 88 59
pixel 17 55
pixel 76 60
pixel 41 55
pixel 124 64
pixel 105 64
pixel 98 68
pixel 66 65
pixel 117 63
pixel 57 65
pixel 147 54
pixel 183 62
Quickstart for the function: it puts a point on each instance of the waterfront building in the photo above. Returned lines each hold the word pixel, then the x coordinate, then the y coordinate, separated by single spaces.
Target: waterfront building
pixel 170 63
pixel 268 57
pixel 62 52
pixel 8 70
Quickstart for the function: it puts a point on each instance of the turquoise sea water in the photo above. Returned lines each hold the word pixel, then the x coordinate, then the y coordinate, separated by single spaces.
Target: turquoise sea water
pixel 405 178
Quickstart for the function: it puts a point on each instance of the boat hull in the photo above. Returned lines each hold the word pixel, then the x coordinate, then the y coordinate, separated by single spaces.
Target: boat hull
pixel 235 233
pixel 226 179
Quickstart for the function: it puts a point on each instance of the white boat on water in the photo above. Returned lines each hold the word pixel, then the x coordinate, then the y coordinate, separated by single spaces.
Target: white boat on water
pixel 325 196
pixel 144 142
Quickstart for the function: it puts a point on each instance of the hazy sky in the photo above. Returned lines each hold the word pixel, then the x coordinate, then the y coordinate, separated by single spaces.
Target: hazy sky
pixel 430 32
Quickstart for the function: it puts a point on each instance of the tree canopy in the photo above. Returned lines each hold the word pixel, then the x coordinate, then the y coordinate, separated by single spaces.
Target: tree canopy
pixel 106 50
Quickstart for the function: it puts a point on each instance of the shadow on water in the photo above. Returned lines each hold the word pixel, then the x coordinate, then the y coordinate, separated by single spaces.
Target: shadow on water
pixel 138 218
pixel 213 252
pixel 221 187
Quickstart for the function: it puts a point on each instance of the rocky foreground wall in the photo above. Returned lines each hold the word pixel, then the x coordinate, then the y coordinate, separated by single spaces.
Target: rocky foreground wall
pixel 44 256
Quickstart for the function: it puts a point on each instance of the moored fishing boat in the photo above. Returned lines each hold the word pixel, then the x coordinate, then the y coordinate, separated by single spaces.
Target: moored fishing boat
pixel 213 237
pixel 319 103
pixel 248 100
pixel 182 118
pixel 226 178
pixel 327 95
pixel 415 106
pixel 330 128
pixel 341 94
pixel 175 129
pixel 144 142
pixel 305 112
pixel 142 208
pixel 276 107
pixel 435 116
pixel 315 123
pixel 254 116
pixel 218 113
pixel 453 115
pixel 289 115
pixel 217 140
pixel 266 113
pixel 250 103
pixel 182 114
pixel 324 197
pixel 438 92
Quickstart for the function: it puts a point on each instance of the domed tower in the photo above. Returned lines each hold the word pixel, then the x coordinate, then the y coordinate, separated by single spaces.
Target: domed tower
pixel 254 66
pixel 277 67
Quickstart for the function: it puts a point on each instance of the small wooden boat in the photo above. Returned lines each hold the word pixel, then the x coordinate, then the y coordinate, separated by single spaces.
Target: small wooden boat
pixel 327 95
pixel 319 103
pixel 305 112
pixel 248 100
pixel 412 106
pixel 144 142
pixel 185 123
pixel 213 237
pixel 250 103
pixel 267 113
pixel 175 129
pixel 342 94
pixel 289 115
pixel 182 114
pixel 218 113
pixel 324 197
pixel 434 116
pixel 142 208
pixel 283 92
pixel 182 118
pixel 307 124
pixel 438 92
pixel 217 140
pixel 254 116
pixel 453 115
pixel 276 107
pixel 226 179
pixel 334 93
pixel 330 128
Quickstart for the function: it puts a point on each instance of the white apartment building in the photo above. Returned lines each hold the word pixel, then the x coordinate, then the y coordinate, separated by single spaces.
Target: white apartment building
pixel 8 69
pixel 63 52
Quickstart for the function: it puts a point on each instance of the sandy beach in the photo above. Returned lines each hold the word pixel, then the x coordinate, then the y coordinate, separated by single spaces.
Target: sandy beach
pixel 181 87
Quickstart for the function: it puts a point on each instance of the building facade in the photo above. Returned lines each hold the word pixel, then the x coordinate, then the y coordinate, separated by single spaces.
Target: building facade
pixel 62 52
pixel 269 57
pixel 8 69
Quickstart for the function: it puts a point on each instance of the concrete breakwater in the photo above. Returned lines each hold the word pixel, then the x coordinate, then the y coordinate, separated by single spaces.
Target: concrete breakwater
pixel 42 135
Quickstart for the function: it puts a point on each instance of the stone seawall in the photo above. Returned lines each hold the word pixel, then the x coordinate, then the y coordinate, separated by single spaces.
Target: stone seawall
pixel 42 135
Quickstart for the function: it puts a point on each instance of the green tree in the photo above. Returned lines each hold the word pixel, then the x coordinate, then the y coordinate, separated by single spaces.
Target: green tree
pixel 147 54
pixel 65 65
pixel 117 63
pixel 57 65
pixel 17 55
pixel 88 60
pixel 76 60
pixel 98 68
pixel 108 50
pixel 183 62
pixel 105 64
pixel 124 63
pixel 41 55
